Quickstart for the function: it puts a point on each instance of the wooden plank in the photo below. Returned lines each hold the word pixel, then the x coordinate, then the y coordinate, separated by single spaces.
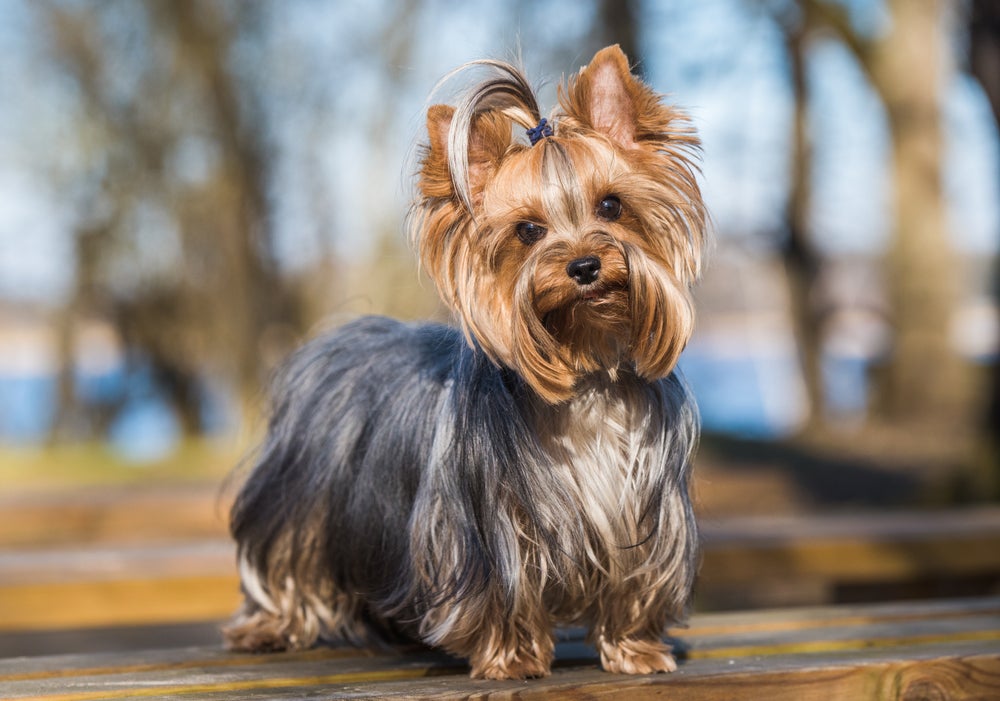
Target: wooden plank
pixel 211 557
pixel 857 652
pixel 106 585
pixel 709 631
pixel 127 585
pixel 870 547
pixel 96 639
pixel 74 604
pixel 125 514
pixel 146 636
pixel 116 514
pixel 893 525
pixel 960 672
pixel 800 618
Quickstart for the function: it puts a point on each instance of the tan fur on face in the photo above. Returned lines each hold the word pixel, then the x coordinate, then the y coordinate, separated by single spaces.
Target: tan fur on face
pixel 614 136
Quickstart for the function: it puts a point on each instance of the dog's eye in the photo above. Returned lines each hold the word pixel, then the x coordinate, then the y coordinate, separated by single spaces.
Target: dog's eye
pixel 610 208
pixel 529 232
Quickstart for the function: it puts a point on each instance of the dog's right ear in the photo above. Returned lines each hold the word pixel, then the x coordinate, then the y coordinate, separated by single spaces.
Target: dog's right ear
pixel 487 140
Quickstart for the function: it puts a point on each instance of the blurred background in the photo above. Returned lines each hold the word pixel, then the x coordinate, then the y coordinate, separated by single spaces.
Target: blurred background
pixel 190 189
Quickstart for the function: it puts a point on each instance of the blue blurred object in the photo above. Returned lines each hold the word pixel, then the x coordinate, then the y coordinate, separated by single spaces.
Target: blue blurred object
pixel 27 407
pixel 145 430
pixel 732 393
pixel 845 381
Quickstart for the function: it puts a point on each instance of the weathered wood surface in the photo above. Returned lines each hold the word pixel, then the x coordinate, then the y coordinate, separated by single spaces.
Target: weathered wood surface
pixel 126 585
pixel 939 650
pixel 184 581
pixel 868 546
pixel 751 562
pixel 112 514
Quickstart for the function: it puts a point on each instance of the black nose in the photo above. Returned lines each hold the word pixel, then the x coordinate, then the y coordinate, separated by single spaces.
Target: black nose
pixel 584 270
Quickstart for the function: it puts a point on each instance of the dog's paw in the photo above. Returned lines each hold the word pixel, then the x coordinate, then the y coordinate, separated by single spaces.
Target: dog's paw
pixel 522 663
pixel 517 669
pixel 239 638
pixel 262 631
pixel 630 656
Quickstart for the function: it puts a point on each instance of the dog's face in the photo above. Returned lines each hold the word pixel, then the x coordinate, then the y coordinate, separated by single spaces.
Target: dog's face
pixel 574 255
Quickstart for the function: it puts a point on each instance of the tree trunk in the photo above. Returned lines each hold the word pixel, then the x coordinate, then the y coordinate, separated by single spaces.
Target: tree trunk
pixel 254 296
pixel 617 23
pixel 924 382
pixel 799 255
pixel 984 52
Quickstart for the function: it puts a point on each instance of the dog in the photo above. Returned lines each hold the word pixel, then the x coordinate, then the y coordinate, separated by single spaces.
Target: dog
pixel 474 487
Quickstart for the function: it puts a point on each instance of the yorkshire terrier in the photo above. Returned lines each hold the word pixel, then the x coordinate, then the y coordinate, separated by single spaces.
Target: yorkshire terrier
pixel 474 488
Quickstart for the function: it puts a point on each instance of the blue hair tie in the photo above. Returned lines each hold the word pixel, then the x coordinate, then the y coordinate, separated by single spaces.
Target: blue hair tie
pixel 540 132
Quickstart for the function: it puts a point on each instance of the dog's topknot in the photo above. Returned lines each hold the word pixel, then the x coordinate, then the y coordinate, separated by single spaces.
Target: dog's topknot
pixel 505 91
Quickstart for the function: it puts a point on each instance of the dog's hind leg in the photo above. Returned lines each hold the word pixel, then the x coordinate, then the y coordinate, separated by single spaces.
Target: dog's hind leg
pixel 279 614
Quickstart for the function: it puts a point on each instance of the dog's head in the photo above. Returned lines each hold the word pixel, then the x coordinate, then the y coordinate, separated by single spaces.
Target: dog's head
pixel 574 253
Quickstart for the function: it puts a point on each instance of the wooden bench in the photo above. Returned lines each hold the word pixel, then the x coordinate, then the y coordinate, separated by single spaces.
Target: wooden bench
pixel 148 577
pixel 786 560
pixel 935 650
pixel 747 563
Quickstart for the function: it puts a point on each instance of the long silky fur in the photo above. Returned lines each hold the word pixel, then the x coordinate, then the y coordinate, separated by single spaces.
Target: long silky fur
pixel 405 468
pixel 472 488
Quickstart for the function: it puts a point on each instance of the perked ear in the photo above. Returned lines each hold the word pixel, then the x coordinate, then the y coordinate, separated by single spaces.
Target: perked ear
pixel 489 136
pixel 607 98
pixel 435 178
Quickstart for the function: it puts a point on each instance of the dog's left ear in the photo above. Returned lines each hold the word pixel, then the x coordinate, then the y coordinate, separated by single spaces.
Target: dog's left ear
pixel 606 97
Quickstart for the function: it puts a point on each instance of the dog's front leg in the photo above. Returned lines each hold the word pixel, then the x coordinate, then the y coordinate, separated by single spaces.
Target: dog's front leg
pixel 500 643
pixel 515 649
pixel 628 635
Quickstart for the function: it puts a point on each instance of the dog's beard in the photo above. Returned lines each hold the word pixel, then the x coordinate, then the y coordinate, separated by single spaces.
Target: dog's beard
pixel 592 330
pixel 638 320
